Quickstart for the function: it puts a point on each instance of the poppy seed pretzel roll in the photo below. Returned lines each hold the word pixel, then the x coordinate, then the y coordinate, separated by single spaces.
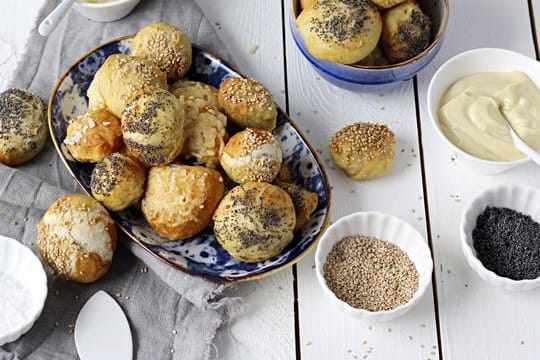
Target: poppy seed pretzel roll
pixel 153 126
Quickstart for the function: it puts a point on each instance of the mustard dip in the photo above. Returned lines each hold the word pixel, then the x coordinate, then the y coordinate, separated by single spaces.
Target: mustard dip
pixel 474 111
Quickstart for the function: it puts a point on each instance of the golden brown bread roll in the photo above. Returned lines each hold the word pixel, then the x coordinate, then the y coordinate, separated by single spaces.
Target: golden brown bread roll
pixel 375 58
pixel 305 202
pixel 205 132
pixel 119 78
pixel 252 155
pixel 340 31
pixel 385 4
pixel 77 238
pixel 255 221
pixel 307 3
pixel 166 46
pixel 406 32
pixel 118 181
pixel 179 200
pixel 23 126
pixel 363 150
pixel 153 126
pixel 247 103
pixel 196 89
pixel 93 136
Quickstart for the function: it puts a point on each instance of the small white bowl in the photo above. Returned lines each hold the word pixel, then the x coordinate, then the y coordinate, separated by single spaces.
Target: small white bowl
pixel 520 198
pixel 384 227
pixel 106 12
pixel 18 261
pixel 467 63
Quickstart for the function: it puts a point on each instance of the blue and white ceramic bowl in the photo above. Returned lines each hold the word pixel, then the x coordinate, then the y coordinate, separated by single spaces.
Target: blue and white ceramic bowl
pixel 355 77
pixel 200 255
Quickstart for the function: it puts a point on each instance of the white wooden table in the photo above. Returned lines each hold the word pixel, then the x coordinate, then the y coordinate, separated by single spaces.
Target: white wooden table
pixel 287 316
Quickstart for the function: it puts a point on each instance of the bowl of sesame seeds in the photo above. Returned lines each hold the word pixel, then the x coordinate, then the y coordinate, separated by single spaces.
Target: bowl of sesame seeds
pixel 373 266
pixel 500 236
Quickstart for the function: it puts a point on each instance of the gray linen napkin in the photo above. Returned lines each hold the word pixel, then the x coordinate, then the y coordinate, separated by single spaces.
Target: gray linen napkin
pixel 172 314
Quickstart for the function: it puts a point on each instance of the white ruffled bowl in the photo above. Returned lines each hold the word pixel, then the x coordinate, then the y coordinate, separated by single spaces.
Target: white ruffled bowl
pixel 520 198
pixel 384 227
pixel 18 261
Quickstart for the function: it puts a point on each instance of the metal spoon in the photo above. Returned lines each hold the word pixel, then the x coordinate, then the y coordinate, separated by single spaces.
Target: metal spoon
pixel 52 20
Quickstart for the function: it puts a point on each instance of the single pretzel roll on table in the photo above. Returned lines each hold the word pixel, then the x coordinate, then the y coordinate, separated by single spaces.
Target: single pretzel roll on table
pixel 23 126
pixel 166 46
pixel 363 150
pixel 340 31
pixel 77 238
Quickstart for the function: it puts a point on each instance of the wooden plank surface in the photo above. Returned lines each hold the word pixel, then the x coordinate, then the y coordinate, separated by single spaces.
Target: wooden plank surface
pixel 478 321
pixel 320 109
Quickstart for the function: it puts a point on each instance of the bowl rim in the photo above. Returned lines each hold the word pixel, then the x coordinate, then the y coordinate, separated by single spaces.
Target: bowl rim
pixel 104 5
pixel 319 263
pixel 432 45
pixel 467 249
pixel 435 118
pixel 225 279
pixel 41 277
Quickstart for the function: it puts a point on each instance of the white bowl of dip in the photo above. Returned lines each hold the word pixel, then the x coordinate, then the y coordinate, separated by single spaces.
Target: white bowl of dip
pixel 469 63
pixel 23 289
pixel 105 10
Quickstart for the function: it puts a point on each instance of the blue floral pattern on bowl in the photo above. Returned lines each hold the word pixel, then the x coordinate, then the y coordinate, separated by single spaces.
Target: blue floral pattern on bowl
pixel 201 254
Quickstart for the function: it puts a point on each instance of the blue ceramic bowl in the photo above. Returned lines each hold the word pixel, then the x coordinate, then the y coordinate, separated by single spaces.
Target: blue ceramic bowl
pixel 201 254
pixel 355 77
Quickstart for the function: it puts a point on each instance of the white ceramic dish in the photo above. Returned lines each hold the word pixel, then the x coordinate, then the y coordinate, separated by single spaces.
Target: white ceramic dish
pixel 384 227
pixel 470 62
pixel 17 261
pixel 106 12
pixel 517 197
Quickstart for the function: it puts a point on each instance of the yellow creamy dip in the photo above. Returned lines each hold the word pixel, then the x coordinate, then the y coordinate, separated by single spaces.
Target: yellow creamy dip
pixel 473 110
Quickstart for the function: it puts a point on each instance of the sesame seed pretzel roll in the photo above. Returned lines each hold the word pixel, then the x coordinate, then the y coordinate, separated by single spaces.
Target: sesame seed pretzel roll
pixel 206 133
pixel 342 31
pixel 255 221
pixel 179 200
pixel 166 46
pixel 119 78
pixel 77 238
pixel 23 128
pixel 363 150
pixel 118 181
pixel 252 155
pixel 197 89
pixel 247 103
pixel 93 136
pixel 153 126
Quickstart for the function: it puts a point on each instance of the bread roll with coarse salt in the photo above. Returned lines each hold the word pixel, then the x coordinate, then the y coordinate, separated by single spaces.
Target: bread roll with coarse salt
pixel 196 89
pixel 166 46
pixel 255 221
pixel 119 78
pixel 77 238
pixel 93 136
pixel 153 126
pixel 23 126
pixel 247 103
pixel 179 200
pixel 363 150
pixel 340 31
pixel 252 155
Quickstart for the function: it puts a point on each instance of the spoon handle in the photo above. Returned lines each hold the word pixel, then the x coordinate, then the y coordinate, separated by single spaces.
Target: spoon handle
pixel 52 20
pixel 524 148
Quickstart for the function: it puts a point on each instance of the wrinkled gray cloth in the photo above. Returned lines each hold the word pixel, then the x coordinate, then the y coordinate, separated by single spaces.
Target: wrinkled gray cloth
pixel 172 315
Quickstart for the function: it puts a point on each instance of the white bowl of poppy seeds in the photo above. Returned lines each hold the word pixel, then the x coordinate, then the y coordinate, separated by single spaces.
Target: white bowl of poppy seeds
pixel 373 266
pixel 500 236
